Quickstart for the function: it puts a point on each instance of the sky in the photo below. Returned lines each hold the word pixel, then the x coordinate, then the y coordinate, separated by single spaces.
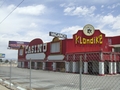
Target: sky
pixel 36 18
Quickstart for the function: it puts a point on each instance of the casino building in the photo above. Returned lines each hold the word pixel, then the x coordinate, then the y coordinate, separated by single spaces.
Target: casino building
pixel 99 54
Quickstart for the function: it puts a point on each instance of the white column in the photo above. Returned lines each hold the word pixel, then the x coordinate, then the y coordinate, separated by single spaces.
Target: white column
pixel 35 66
pixel 71 66
pixel 67 66
pixel 19 64
pixel 114 68
pixel 112 49
pixel 22 64
pixel 110 67
pixel 44 65
pixel 101 68
pixel 75 67
pixel 28 64
pixel 85 67
pixel 118 67
pixel 54 66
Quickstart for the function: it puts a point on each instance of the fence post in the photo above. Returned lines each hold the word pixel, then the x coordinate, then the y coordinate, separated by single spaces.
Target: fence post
pixel 80 82
pixel 10 74
pixel 0 68
pixel 30 74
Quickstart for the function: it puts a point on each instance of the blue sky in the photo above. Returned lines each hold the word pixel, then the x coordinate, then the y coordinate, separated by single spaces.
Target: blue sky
pixel 36 18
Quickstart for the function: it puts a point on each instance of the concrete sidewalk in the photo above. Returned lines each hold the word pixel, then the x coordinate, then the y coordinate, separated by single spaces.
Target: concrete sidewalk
pixel 3 87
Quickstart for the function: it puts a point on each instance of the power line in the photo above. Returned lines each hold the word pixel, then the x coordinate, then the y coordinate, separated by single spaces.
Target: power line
pixel 12 11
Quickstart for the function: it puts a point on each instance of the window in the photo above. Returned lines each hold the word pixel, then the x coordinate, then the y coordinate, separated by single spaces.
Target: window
pixel 21 52
pixel 117 49
pixel 55 47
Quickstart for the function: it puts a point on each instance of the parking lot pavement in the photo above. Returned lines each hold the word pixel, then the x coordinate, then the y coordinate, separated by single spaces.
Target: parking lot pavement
pixel 3 87
pixel 49 80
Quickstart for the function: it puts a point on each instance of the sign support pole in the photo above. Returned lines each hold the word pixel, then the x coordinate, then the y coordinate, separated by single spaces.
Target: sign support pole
pixel 10 73
pixel 80 80
pixel 30 75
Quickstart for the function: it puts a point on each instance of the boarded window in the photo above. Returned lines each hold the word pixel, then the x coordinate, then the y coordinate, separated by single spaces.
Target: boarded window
pixel 55 47
pixel 21 52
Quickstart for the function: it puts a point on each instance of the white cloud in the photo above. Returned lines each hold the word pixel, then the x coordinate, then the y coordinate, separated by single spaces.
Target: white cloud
pixel 67 5
pixel 80 11
pixel 99 1
pixel 71 30
pixel 16 21
pixel 111 33
pixel 84 10
pixel 29 10
pixel 32 10
pixel 11 7
pixel 114 6
pixel 108 24
pixel 102 6
pixel 21 25
pixel 62 5
pixel 68 9
pixel 110 20
pixel 34 25
pixel 116 24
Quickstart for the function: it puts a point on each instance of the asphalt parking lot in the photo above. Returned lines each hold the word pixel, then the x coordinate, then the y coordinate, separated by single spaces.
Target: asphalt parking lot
pixel 49 80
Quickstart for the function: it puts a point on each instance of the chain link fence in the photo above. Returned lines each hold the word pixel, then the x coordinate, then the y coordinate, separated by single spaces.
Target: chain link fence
pixel 80 71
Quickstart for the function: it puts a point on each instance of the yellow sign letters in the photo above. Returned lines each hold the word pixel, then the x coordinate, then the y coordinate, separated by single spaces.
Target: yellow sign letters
pixel 94 40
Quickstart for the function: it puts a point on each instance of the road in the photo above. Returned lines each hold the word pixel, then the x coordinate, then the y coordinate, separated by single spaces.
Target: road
pixel 49 80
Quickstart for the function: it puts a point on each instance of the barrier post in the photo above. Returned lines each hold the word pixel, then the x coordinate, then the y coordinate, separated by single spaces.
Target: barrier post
pixel 10 74
pixel 30 75
pixel 80 82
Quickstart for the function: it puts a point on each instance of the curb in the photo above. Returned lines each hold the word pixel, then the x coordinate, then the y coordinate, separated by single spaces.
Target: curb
pixel 13 87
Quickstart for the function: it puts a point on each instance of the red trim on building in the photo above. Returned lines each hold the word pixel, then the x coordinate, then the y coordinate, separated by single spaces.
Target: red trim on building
pixel 91 48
